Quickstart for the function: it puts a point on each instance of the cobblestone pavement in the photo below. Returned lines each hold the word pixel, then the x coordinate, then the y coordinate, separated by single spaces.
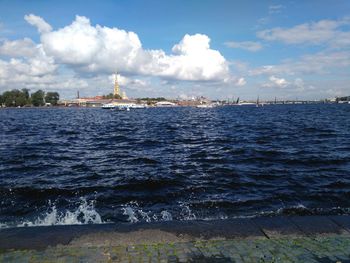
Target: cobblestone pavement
pixel 334 248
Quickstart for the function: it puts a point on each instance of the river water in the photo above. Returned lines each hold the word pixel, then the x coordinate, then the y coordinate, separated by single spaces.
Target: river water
pixel 81 165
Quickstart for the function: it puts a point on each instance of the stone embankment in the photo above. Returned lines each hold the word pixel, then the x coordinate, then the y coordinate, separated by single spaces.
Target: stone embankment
pixel 277 239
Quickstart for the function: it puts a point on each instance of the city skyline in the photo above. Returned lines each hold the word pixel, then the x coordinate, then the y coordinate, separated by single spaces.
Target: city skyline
pixel 218 49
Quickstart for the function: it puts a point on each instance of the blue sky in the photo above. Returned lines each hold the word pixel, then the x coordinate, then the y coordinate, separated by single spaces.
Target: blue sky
pixel 219 49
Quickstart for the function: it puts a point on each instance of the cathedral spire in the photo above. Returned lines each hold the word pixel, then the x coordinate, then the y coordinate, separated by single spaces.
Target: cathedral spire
pixel 116 86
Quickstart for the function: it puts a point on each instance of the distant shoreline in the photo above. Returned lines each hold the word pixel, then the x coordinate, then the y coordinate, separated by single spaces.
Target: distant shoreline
pixel 177 106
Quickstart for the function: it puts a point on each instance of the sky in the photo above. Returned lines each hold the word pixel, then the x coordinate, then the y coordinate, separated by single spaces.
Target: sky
pixel 220 49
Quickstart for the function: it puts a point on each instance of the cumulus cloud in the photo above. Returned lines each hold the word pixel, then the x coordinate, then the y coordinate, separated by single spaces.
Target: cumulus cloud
pixel 193 60
pixel 247 45
pixel 275 82
pixel 32 59
pixel 327 32
pixel 27 64
pixel 125 81
pixel 88 48
pixel 37 21
pixel 18 48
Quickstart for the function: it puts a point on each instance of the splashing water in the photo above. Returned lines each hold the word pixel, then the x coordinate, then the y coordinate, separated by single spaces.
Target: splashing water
pixel 166 216
pixel 135 214
pixel 84 214
pixel 128 211
pixel 186 213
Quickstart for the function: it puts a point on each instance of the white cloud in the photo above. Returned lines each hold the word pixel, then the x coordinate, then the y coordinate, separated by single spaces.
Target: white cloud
pixel 319 63
pixel 297 85
pixel 18 48
pixel 274 9
pixel 22 71
pixel 327 32
pixel 300 85
pixel 37 65
pixel 28 64
pixel 298 82
pixel 247 45
pixel 37 21
pixel 98 49
pixel 125 81
pixel 193 60
pixel 275 82
pixel 83 57
pixel 241 82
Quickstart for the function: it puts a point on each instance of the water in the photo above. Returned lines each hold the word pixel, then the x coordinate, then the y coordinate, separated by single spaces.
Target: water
pixel 79 166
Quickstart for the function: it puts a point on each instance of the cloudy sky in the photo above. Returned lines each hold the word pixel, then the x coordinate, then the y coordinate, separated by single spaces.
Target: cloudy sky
pixel 215 48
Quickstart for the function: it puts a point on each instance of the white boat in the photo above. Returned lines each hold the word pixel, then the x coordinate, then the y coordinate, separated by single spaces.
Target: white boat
pixel 205 106
pixel 165 104
pixel 247 104
pixel 121 108
pixel 138 106
pixel 108 106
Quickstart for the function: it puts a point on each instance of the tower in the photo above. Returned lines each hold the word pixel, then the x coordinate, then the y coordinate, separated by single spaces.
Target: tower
pixel 116 86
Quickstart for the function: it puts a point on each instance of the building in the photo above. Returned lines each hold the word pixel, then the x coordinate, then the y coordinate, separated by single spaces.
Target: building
pixel 98 101
pixel 116 91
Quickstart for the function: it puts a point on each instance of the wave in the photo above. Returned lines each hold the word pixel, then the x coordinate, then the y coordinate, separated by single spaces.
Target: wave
pixel 183 212
pixel 302 210
pixel 85 213
pixel 136 214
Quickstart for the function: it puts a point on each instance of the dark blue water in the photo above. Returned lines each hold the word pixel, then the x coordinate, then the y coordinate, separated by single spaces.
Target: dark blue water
pixel 66 166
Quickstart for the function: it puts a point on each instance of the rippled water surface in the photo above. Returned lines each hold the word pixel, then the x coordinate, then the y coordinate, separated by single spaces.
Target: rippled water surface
pixel 76 165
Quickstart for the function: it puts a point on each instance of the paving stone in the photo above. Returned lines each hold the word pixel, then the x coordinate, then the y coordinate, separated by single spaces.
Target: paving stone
pixel 284 249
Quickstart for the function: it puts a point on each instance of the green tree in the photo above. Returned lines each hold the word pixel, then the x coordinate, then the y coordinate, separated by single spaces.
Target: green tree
pixel 8 99
pixel 26 93
pixel 52 97
pixel 20 98
pixel 14 98
pixel 38 98
pixel 111 96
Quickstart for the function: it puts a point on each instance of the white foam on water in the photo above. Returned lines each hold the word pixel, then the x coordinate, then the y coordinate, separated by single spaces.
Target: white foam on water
pixel 135 214
pixel 186 213
pixel 166 216
pixel 84 214
pixel 128 211
pixel 216 217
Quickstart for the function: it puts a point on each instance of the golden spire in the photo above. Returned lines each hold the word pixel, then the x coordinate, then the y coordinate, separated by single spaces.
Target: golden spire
pixel 116 85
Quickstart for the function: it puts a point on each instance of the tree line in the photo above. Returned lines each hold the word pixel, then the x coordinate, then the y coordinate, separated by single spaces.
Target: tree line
pixel 112 96
pixel 20 98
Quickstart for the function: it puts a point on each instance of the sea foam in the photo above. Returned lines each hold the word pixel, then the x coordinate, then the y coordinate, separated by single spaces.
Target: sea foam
pixel 85 213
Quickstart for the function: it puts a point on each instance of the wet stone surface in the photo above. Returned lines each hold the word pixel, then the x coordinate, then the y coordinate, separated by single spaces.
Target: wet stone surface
pixel 335 248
